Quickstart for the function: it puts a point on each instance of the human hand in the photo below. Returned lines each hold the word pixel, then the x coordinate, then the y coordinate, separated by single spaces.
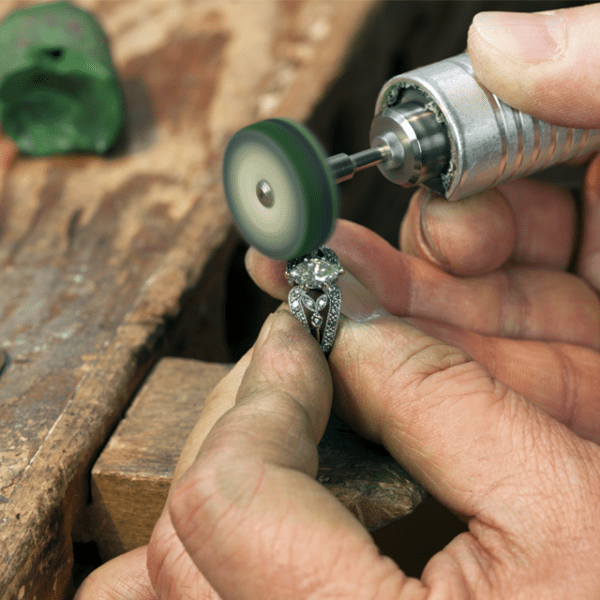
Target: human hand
pixel 525 234
pixel 477 445
pixel 247 520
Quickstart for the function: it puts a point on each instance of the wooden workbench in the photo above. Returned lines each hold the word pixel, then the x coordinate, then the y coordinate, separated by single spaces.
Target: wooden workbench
pixel 109 263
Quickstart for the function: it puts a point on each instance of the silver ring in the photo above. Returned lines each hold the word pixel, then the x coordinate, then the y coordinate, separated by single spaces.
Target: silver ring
pixel 312 273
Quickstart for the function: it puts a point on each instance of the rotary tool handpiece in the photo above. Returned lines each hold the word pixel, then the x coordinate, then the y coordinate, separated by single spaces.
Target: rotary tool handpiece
pixel 434 126
pixel 439 127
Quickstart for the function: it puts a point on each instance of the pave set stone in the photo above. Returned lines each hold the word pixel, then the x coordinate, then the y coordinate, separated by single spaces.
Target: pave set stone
pixel 314 272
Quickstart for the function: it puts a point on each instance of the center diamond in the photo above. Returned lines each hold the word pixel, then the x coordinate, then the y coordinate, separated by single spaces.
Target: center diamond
pixel 314 272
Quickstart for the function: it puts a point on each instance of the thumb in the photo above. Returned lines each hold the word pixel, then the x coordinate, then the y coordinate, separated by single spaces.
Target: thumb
pixel 545 64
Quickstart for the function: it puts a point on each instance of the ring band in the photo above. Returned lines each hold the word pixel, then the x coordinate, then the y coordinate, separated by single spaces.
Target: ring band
pixel 310 274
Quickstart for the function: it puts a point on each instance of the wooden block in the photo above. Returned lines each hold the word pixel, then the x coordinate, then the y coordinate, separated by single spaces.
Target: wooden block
pixel 130 480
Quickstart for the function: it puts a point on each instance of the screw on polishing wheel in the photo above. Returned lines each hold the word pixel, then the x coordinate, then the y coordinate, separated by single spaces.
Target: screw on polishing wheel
pixel 280 188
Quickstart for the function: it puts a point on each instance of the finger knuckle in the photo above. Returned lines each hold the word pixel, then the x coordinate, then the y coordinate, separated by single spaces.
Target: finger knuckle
pixel 212 498
pixel 430 366
pixel 429 376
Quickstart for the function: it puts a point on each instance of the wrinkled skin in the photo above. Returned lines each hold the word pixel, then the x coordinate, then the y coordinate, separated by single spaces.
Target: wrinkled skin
pixel 472 356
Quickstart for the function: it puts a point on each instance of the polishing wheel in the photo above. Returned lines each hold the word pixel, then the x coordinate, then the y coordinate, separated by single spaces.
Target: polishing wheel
pixel 280 188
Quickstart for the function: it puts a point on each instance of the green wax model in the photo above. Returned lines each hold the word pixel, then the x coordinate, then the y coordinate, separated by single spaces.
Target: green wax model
pixel 59 91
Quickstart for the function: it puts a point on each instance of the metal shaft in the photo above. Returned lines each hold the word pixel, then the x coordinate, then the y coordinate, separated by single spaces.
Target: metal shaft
pixel 344 166
pixel 409 142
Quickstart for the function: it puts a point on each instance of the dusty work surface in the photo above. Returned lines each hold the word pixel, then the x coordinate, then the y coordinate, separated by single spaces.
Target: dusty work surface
pixel 96 253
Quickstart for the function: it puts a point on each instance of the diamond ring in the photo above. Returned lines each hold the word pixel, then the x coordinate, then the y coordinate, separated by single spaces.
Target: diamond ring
pixel 314 276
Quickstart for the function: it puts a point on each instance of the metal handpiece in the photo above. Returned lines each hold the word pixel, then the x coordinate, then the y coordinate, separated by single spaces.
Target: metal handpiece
pixel 437 126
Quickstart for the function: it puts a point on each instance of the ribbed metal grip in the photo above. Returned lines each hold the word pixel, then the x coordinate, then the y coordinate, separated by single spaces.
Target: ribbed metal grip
pixel 489 142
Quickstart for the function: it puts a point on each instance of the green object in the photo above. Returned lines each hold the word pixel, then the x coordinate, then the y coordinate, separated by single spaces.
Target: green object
pixel 59 91
pixel 280 188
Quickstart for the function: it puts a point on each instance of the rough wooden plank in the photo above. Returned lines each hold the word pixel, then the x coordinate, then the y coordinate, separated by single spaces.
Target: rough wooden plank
pixel 131 479
pixel 97 252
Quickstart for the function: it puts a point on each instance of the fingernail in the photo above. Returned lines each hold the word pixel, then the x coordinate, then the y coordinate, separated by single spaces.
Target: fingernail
pixel 427 213
pixel 523 36
pixel 358 303
pixel 248 261
pixel 592 183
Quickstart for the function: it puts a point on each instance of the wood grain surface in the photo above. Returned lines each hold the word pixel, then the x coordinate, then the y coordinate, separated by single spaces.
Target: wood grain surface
pixel 96 253
pixel 131 478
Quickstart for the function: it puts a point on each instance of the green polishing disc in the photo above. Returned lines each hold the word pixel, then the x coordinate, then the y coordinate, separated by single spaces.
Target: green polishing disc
pixel 280 188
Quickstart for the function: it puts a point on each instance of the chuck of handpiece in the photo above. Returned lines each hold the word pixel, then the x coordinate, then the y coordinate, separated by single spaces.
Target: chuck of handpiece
pixel 409 144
